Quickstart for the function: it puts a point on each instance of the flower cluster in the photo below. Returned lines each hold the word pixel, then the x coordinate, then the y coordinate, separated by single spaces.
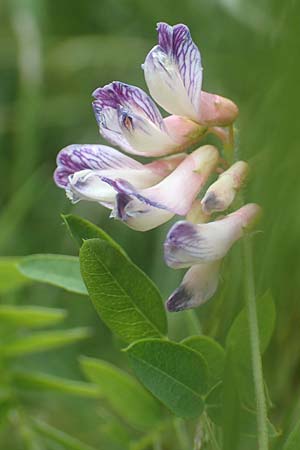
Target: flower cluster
pixel 145 196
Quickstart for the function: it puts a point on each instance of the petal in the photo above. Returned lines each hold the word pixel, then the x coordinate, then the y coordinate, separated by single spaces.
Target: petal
pixel 76 157
pixel 109 127
pixel 199 284
pixel 133 99
pixel 173 71
pixel 144 136
pixel 173 194
pixel 138 215
pixel 128 117
pixel 188 244
pixel 88 184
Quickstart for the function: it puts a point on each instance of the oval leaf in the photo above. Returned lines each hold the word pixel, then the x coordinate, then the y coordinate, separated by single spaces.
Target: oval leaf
pixel 58 270
pixel 175 374
pixel 124 297
pixel 212 352
pixel 125 395
pixel 238 342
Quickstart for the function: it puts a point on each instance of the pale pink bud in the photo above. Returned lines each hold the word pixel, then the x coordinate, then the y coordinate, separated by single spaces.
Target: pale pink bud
pixel 221 193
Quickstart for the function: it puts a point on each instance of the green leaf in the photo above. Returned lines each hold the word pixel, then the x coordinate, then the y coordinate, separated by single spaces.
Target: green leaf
pixel 10 276
pixel 175 374
pixel 31 316
pixel 212 352
pixel 238 342
pixel 36 380
pixel 58 270
pixel 82 229
pixel 124 297
pixel 238 336
pixel 58 436
pixel 293 441
pixel 42 341
pixel 247 416
pixel 124 394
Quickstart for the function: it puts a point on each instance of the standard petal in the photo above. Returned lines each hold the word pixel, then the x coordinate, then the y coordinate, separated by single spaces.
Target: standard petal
pixel 173 71
pixel 199 284
pixel 188 244
pixel 77 157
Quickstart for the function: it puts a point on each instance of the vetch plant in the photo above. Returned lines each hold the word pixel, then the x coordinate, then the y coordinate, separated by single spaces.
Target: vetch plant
pixel 212 395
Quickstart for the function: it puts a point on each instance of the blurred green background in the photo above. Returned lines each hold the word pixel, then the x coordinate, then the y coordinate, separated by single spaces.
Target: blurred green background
pixel 52 56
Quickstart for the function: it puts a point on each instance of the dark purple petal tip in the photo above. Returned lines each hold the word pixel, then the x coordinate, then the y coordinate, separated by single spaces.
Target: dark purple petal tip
pixel 179 300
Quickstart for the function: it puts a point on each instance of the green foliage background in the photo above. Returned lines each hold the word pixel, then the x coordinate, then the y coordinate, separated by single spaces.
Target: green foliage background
pixel 52 56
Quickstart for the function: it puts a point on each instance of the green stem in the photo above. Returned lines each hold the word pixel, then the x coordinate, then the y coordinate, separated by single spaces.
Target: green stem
pixel 255 349
pixel 181 433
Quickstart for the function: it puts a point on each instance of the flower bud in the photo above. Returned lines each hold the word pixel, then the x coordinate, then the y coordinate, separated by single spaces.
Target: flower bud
pixel 220 194
pixel 198 285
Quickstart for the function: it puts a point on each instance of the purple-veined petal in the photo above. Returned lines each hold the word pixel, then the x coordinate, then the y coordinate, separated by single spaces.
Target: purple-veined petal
pixel 173 71
pixel 173 195
pixel 118 95
pixel 138 215
pixel 81 168
pixel 77 157
pixel 199 284
pixel 129 118
pixel 187 244
pixel 109 126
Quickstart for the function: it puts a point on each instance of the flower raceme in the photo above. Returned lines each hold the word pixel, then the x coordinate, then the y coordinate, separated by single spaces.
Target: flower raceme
pixel 80 169
pixel 188 244
pixel 144 209
pixel 145 196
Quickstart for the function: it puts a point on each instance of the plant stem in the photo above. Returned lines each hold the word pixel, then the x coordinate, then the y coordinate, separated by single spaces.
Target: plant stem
pixel 255 349
pixel 182 436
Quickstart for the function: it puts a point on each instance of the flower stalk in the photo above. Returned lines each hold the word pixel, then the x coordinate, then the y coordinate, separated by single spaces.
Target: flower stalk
pixel 261 407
